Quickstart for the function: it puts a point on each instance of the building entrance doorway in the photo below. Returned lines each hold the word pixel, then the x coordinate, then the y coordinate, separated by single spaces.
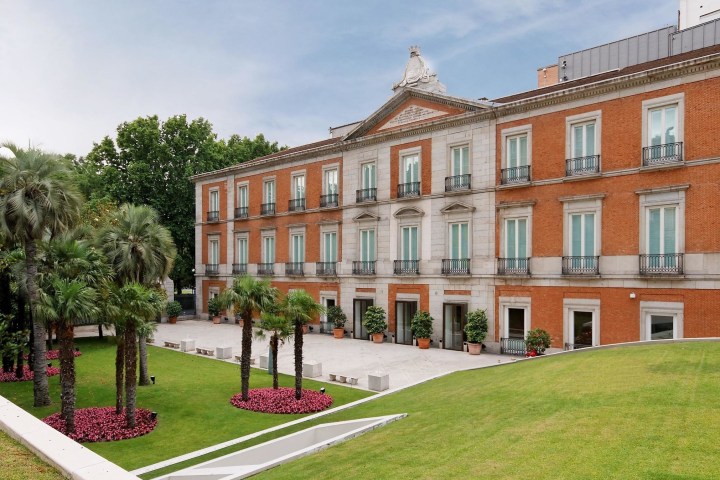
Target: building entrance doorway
pixel 404 311
pixel 360 306
pixel 454 319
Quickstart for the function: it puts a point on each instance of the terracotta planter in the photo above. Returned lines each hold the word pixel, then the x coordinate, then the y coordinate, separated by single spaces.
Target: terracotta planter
pixel 378 337
pixel 172 320
pixel 216 320
pixel 423 343
pixel 339 332
pixel 306 329
pixel 474 348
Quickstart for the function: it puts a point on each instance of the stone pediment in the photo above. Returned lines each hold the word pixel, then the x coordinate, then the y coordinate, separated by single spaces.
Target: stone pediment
pixel 458 207
pixel 367 217
pixel 407 212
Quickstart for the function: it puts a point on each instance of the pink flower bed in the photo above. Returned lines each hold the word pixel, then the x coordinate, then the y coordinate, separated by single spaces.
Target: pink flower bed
pixel 55 354
pixel 27 374
pixel 101 424
pixel 282 400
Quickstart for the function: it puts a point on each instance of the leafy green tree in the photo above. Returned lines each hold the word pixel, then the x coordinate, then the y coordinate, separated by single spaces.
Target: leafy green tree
pixel 300 307
pixel 38 199
pixel 248 295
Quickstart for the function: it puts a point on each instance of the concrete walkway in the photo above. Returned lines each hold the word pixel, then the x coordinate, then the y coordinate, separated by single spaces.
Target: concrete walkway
pixel 405 364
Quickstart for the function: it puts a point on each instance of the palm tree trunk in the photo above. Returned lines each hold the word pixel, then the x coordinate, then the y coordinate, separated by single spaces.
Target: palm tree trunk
pixel 49 338
pixel 144 377
pixel 119 373
pixel 245 355
pixel 20 364
pixel 100 331
pixel 130 374
pixel 274 353
pixel 298 359
pixel 67 377
pixel 41 394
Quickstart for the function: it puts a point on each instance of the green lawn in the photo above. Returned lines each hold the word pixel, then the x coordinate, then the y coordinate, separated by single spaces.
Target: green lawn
pixel 646 412
pixel 18 463
pixel 191 396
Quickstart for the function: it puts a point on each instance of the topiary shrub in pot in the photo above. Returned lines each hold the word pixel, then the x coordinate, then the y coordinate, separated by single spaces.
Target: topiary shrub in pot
pixel 537 341
pixel 476 330
pixel 374 322
pixel 173 310
pixel 421 327
pixel 214 309
pixel 337 317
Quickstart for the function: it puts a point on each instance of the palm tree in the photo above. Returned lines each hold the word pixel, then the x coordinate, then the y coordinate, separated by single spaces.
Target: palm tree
pixel 66 302
pixel 38 199
pixel 248 295
pixel 281 329
pixel 145 330
pixel 141 252
pixel 300 307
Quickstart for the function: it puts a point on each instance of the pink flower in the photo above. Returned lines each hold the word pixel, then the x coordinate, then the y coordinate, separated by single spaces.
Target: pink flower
pixel 101 424
pixel 282 400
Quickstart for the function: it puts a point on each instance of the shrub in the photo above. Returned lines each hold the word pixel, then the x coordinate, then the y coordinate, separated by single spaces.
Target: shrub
pixel 421 324
pixel 214 307
pixel 374 320
pixel 336 316
pixel 174 309
pixel 537 340
pixel 476 327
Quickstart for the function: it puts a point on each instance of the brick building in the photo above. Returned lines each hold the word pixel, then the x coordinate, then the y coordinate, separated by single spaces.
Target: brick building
pixel 586 207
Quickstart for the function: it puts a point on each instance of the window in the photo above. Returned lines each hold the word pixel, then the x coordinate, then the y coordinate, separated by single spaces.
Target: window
pixel 298 187
pixel 268 252
pixel 515 314
pixel 411 168
pixel 242 251
pixel 516 155
pixel 298 248
pixel 243 196
pixel 459 161
pixel 661 230
pixel 582 234
pixel 662 227
pixel 517 148
pixel 459 241
pixel 581 319
pixel 330 246
pixel 409 243
pixel 663 124
pixel 367 175
pixel 214 251
pixel 582 149
pixel 661 320
pixel 583 140
pixel 516 238
pixel 269 191
pixel 367 245
pixel 331 182
pixel 214 201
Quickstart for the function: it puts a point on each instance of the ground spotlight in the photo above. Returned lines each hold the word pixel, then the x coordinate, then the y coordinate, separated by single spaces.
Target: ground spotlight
pixel 322 390
pixel 153 416
pixel 49 364
pixel 152 379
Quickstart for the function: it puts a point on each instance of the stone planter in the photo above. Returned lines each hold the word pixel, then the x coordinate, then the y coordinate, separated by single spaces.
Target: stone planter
pixel 474 348
pixel 216 320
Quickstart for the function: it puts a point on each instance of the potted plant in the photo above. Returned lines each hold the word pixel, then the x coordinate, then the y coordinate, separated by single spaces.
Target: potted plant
pixel 476 330
pixel 173 309
pixel 537 341
pixel 375 324
pixel 337 317
pixel 214 309
pixel 421 327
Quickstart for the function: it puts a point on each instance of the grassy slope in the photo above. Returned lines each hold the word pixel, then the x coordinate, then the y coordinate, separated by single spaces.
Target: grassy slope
pixel 640 412
pixel 191 396
pixel 17 463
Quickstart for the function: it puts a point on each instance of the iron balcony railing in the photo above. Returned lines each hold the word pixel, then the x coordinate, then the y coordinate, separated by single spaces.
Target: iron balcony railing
pixel 406 267
pixel 411 189
pixel 294 269
pixel 363 268
pixel 366 195
pixel 213 216
pixel 514 266
pixel 241 212
pixel 582 165
pixel 513 346
pixel 267 209
pixel 266 269
pixel 458 182
pixel 296 205
pixel 509 176
pixel 456 266
pixel 212 268
pixel 575 346
pixel 327 269
pixel 663 154
pixel 239 268
pixel 581 265
pixel 329 200
pixel 662 264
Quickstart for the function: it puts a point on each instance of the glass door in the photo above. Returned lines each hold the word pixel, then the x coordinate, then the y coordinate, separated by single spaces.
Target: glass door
pixel 454 319
pixel 326 327
pixel 360 306
pixel 404 311
pixel 582 334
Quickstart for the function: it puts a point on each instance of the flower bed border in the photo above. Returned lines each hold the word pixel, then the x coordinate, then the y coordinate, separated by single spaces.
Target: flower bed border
pixel 27 374
pixel 101 424
pixel 282 401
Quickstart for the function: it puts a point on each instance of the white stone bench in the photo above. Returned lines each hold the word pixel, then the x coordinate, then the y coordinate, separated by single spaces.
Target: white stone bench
pixel 238 358
pixel 378 381
pixel 336 377
pixel 223 352
pixel 172 345
pixel 264 360
pixel 312 369
pixel 205 351
pixel 187 345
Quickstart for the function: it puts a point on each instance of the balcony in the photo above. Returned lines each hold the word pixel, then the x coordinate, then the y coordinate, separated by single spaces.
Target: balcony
pixel 267 208
pixel 406 267
pixel 294 269
pixel 513 175
pixel 366 195
pixel 668 153
pixel 239 268
pixel 363 268
pixel 582 165
pixel 405 190
pixel 266 269
pixel 514 266
pixel 241 212
pixel 296 205
pixel 456 266
pixel 581 265
pixel 213 216
pixel 212 269
pixel 662 264
pixel 457 183
pixel 329 200
pixel 326 269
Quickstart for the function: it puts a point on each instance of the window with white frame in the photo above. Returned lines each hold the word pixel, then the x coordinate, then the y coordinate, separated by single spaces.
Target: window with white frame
pixel 516 154
pixel 241 255
pixel 517 151
pixel 242 196
pixel 459 241
pixel 297 248
pixel 330 184
pixel 582 234
pixel 269 191
pixel 583 140
pixel 214 201
pixel 459 160
pixel 516 238
pixel 268 249
pixel 367 175
pixel 582 149
pixel 581 320
pixel 662 230
pixel 410 168
pixel 214 251
pixel 661 320
pixel 409 247
pixel 663 125
pixel 298 187
pixel 515 322
pixel 367 245
pixel 329 246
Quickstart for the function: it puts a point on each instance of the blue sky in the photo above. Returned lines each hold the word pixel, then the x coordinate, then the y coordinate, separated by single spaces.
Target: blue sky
pixel 71 71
